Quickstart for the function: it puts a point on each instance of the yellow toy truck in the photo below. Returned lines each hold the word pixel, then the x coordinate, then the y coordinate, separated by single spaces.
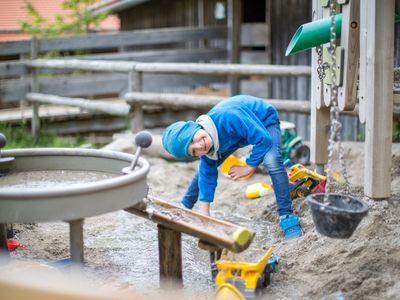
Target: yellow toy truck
pixel 248 278
pixel 303 182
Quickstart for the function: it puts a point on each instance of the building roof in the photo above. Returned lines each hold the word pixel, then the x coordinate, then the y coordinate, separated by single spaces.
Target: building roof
pixel 113 6
pixel 13 11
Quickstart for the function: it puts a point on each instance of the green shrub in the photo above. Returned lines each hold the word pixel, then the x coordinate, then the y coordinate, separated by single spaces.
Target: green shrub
pixel 19 136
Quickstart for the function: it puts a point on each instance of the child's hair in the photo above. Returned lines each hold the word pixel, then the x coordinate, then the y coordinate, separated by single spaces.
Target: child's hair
pixel 178 136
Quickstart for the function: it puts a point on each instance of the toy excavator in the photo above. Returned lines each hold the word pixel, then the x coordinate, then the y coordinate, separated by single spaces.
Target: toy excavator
pixel 303 182
pixel 244 280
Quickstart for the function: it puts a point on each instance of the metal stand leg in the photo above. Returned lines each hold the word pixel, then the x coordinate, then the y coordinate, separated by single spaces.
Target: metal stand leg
pixel 76 240
pixel 3 243
pixel 214 256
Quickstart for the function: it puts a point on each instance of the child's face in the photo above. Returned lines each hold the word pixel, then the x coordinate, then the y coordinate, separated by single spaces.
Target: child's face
pixel 201 143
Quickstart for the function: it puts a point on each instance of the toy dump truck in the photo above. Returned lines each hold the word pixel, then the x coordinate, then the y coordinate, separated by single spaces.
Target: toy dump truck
pixel 244 278
pixel 303 182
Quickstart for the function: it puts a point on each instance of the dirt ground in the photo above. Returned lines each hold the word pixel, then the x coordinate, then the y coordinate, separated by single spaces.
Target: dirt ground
pixel 365 266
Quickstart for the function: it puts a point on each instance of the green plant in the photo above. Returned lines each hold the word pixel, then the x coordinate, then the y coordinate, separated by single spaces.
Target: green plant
pixel 19 136
pixel 78 20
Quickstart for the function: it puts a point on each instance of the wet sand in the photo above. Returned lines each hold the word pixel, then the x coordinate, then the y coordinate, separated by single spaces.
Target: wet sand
pixel 121 249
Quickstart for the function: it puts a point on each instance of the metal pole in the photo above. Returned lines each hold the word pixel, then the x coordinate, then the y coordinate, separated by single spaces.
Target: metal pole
pixel 76 240
pixel 3 241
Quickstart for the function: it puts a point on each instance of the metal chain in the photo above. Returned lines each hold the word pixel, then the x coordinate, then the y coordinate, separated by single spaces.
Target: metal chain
pixel 335 126
pixel 321 67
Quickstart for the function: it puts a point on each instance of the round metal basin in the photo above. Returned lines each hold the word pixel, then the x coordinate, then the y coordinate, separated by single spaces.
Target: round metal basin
pixel 67 201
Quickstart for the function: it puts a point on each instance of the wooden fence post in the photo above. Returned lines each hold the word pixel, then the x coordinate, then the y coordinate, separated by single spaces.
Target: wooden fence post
pixel 35 122
pixel 234 20
pixel 136 110
pixel 170 257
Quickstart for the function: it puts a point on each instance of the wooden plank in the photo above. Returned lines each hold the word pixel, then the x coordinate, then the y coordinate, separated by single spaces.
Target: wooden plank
pixel 205 102
pixel 214 231
pixel 173 68
pixel 257 88
pixel 17 47
pixel 13 69
pixel 11 91
pixel 77 64
pixel 18 68
pixel 86 104
pixel 96 123
pixel 112 40
pixel 133 38
pixel 350 40
pixel 254 34
pixel 363 76
pixel 175 55
pixel 223 69
pixel 46 112
pixel 379 98
pixel 254 57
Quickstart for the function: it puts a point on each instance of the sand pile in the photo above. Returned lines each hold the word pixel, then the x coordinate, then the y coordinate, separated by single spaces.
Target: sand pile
pixel 366 266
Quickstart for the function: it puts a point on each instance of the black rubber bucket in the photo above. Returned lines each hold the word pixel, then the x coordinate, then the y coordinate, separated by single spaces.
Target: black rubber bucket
pixel 339 216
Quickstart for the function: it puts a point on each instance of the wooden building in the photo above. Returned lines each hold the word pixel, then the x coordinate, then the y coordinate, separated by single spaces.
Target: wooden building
pixel 265 29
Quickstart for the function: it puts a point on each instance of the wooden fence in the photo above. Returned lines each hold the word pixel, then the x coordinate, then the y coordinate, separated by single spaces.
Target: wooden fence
pixel 161 45
pixel 137 98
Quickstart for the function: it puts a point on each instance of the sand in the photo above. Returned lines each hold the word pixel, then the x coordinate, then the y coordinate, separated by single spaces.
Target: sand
pixel 365 266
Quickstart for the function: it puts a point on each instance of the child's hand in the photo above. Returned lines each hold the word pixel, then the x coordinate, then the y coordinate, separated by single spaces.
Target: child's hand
pixel 237 172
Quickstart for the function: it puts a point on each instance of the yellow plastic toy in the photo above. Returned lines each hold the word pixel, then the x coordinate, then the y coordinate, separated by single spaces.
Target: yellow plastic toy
pixel 257 190
pixel 304 181
pixel 227 291
pixel 230 161
pixel 249 278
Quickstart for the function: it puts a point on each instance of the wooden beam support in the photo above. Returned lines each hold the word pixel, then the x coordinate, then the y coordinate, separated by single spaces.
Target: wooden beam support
pixel 170 258
pixel 350 41
pixel 320 117
pixel 378 94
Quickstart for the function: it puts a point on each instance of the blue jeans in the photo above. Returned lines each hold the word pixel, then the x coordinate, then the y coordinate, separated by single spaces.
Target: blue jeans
pixel 272 162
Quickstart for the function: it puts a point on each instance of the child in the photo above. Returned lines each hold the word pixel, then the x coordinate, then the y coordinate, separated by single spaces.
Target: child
pixel 232 124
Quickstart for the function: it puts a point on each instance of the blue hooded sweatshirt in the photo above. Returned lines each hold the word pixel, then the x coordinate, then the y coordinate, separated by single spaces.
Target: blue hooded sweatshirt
pixel 240 121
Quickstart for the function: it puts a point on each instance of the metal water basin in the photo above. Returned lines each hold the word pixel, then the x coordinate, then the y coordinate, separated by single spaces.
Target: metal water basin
pixel 82 198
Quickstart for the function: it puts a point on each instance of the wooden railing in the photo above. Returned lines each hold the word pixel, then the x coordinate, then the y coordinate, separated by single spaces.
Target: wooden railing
pixel 135 96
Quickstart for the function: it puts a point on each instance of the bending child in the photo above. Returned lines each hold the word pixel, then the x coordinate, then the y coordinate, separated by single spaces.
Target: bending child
pixel 233 123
